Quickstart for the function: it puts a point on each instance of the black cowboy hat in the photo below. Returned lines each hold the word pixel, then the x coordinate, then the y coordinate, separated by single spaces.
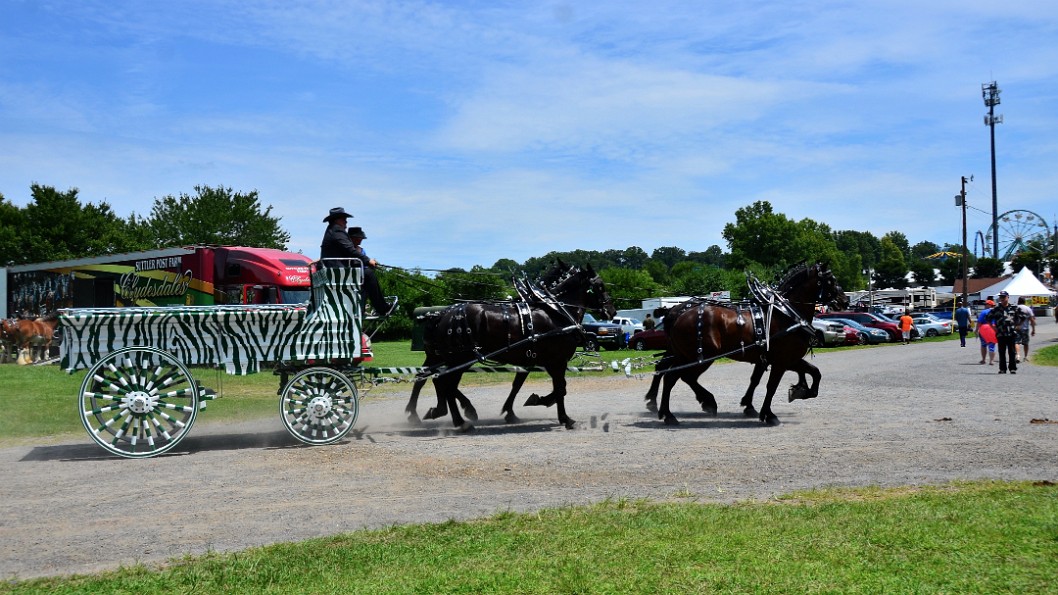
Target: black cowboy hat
pixel 337 213
pixel 356 232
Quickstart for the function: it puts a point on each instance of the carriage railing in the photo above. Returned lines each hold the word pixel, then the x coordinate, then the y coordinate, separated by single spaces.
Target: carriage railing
pixel 238 337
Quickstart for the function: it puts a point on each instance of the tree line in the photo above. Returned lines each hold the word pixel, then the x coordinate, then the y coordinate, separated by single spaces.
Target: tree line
pixel 57 225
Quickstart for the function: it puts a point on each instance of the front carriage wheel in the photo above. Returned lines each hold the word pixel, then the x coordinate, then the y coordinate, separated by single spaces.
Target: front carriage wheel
pixel 319 406
pixel 138 402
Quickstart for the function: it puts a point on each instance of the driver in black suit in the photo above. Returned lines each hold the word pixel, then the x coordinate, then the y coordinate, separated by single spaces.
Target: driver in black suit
pixel 336 244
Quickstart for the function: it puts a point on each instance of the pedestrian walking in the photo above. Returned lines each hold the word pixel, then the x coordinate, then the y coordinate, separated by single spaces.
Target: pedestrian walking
pixel 1006 318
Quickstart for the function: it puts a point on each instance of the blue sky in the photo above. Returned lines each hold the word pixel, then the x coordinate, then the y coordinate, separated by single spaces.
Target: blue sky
pixel 460 133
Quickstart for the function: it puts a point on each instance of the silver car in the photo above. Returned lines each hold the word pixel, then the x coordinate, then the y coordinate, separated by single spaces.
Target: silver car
pixel 828 332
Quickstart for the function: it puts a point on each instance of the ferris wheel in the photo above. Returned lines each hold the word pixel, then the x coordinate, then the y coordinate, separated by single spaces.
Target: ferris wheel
pixel 1018 230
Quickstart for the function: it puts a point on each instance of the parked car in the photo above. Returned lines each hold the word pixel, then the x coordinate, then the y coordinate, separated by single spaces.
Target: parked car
pixel 868 335
pixel 629 326
pixel 931 327
pixel 653 339
pixel 602 334
pixel 828 332
pixel 870 320
pixel 914 330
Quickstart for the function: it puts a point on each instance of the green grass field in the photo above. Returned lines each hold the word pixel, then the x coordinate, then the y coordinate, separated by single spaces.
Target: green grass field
pixel 981 537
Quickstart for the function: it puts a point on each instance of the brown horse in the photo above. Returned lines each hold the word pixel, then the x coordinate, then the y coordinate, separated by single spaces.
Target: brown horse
pixel 703 396
pixel 542 335
pixel 34 335
pixel 8 339
pixel 700 332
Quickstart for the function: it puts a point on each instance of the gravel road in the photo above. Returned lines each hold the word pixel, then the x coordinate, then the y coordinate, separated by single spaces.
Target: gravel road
pixel 889 415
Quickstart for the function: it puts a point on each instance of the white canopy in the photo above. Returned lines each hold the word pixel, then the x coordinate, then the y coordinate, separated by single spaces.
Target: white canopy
pixel 1024 283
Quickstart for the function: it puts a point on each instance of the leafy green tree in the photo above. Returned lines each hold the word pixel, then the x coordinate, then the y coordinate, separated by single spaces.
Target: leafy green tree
pixel 950 270
pixel 760 235
pixel 57 226
pixel 713 255
pixel 900 240
pixel 668 255
pixel 892 269
pixel 924 272
pixel 699 279
pixel 987 268
pixel 924 249
pixel 12 225
pixel 658 271
pixel 629 287
pixel 505 266
pixel 632 257
pixel 477 284
pixel 859 242
pixel 215 216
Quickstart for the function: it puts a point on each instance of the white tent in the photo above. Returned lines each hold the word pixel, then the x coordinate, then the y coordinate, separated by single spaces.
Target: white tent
pixel 1024 283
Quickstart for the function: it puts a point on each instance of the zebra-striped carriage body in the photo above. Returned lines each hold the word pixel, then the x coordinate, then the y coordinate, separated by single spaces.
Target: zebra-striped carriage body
pixel 138 398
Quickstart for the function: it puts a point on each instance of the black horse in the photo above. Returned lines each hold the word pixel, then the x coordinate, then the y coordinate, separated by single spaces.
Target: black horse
pixel 700 332
pixel 528 335
pixel 531 294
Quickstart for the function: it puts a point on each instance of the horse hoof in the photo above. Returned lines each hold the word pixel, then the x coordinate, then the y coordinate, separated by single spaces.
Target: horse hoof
pixel 466 427
pixel 652 406
pixel 434 413
pixel 471 413
pixel 413 420
pixel 511 418
pixel 710 411
pixel 750 411
pixel 532 401
pixel 770 420
pixel 570 424
pixel 670 420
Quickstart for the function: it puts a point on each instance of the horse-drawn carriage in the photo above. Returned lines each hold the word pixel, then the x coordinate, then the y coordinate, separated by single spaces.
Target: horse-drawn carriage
pixel 139 398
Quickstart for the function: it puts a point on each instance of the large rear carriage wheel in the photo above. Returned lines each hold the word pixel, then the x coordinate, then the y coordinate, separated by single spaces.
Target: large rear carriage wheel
pixel 138 402
pixel 319 406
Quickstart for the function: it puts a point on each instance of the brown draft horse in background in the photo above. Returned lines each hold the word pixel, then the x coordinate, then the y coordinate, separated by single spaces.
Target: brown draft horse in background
pixel 722 335
pixel 32 336
pixel 531 335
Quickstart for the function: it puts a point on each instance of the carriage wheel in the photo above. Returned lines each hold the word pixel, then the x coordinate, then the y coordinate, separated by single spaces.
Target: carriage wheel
pixel 138 402
pixel 319 406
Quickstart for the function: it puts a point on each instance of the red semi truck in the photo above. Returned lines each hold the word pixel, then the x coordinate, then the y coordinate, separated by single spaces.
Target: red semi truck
pixel 193 275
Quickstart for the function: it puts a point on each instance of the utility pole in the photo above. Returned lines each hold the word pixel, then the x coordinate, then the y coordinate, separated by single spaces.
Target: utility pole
pixel 990 92
pixel 960 201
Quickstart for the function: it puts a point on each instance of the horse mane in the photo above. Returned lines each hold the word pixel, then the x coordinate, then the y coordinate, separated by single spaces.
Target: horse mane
pixel 792 273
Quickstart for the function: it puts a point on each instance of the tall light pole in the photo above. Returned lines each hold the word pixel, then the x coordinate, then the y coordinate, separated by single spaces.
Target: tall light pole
pixel 990 92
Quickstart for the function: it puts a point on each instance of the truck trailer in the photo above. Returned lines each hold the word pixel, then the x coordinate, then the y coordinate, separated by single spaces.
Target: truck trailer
pixel 199 275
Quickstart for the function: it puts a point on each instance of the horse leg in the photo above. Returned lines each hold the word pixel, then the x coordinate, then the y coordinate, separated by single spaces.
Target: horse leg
pixel 651 398
pixel 664 413
pixel 466 405
pixel 766 414
pixel 747 400
pixel 413 401
pixel 447 388
pixel 441 409
pixel 508 405
pixel 802 390
pixel 703 396
pixel 558 394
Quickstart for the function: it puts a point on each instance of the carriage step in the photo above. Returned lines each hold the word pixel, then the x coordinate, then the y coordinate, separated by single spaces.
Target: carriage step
pixel 205 395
